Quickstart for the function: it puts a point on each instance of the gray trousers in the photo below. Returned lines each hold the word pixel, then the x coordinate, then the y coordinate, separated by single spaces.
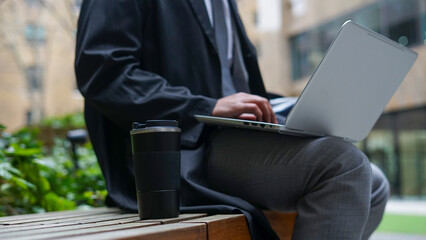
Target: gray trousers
pixel 337 193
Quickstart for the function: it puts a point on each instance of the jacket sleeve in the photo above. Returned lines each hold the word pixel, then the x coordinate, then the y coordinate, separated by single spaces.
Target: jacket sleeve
pixel 110 76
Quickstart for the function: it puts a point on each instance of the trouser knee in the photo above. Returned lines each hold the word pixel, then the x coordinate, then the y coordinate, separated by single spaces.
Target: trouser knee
pixel 345 158
pixel 380 189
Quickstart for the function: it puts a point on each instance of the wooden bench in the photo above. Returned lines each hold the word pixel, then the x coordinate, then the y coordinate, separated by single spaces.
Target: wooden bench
pixel 112 223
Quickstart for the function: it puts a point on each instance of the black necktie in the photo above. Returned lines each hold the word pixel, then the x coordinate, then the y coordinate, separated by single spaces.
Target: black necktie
pixel 239 71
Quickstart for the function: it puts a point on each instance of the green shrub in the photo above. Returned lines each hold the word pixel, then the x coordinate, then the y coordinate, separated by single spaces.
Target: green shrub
pixel 75 120
pixel 33 180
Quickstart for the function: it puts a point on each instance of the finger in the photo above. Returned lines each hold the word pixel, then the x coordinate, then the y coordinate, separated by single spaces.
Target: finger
pixel 264 106
pixel 254 109
pixel 273 117
pixel 268 116
pixel 247 116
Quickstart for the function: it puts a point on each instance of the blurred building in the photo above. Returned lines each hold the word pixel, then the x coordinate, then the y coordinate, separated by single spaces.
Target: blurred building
pixel 291 37
pixel 37 42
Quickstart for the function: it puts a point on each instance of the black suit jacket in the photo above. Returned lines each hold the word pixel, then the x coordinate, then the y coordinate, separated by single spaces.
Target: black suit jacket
pixel 138 60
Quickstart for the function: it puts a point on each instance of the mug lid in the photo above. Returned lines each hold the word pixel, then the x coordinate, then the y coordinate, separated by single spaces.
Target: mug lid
pixel 155 126
pixel 162 123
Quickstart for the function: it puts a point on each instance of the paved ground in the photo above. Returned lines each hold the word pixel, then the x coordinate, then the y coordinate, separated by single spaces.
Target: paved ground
pixel 403 207
pixel 396 236
pixel 407 207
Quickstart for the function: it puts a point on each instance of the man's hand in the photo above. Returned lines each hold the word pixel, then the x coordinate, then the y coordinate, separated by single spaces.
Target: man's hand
pixel 245 106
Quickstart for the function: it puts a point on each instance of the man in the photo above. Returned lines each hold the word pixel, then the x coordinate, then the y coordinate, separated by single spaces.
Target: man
pixel 138 60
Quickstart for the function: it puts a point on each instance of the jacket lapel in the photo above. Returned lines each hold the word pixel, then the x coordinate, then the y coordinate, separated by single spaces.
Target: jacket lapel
pixel 200 12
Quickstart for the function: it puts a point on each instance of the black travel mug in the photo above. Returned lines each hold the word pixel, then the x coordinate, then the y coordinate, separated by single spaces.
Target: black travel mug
pixel 156 159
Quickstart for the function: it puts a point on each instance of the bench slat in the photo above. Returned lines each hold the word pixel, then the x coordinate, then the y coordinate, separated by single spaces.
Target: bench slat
pixel 71 228
pixel 84 231
pixel 175 231
pixel 53 220
pixel 54 223
pixel 182 217
pixel 229 226
pixel 6 219
pixel 58 217
pixel 108 220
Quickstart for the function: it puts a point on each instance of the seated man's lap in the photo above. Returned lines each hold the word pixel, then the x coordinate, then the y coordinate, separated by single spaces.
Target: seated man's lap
pixel 331 177
pixel 274 171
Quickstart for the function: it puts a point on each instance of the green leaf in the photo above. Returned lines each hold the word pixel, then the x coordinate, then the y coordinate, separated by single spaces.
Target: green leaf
pixel 53 202
pixel 37 209
pixel 22 183
pixel 21 151
pixel 3 143
pixel 5 174
pixel 2 156
pixel 48 163
pixel 4 187
pixel 27 152
pixel 6 170
pixel 43 184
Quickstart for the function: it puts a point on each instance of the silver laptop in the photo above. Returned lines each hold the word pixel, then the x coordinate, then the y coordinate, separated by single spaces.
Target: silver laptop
pixel 348 91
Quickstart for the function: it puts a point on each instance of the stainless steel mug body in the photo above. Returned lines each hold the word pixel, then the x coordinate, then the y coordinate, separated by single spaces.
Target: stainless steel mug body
pixel 156 158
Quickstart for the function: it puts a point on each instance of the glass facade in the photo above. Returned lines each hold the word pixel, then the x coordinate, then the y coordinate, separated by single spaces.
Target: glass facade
pixel 401 20
pixel 397 144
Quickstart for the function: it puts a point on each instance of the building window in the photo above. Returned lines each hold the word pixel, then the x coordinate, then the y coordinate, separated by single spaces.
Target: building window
pixel 401 20
pixel 33 74
pixel 423 21
pixel 405 33
pixel 35 33
pixel 76 6
pixel 34 3
pixel 307 50
pixel 256 19
pixel 258 48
